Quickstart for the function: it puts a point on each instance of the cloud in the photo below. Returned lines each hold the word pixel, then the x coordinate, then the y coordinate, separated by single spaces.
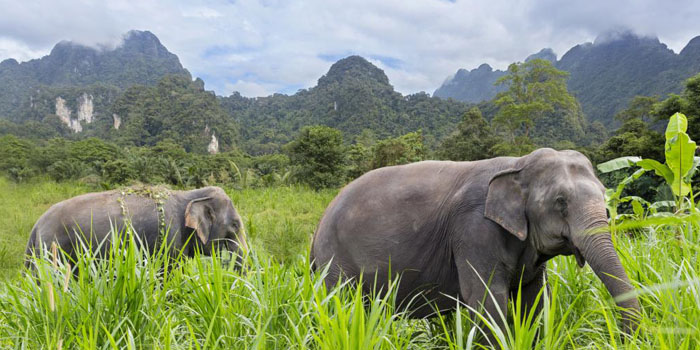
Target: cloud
pixel 202 12
pixel 260 47
pixel 251 88
pixel 11 48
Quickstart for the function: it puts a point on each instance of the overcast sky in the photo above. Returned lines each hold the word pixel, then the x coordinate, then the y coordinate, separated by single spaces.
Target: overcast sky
pixel 262 47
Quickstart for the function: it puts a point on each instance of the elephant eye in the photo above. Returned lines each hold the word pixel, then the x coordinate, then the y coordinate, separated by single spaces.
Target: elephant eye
pixel 561 205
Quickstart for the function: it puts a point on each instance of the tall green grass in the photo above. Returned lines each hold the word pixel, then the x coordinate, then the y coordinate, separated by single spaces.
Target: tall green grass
pixel 138 301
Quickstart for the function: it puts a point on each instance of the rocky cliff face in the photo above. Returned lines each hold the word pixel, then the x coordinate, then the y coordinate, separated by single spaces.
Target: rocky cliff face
pixel 140 59
pixel 213 147
pixel 84 112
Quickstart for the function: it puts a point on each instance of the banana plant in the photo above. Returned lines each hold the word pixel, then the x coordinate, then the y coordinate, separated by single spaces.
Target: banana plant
pixel 678 169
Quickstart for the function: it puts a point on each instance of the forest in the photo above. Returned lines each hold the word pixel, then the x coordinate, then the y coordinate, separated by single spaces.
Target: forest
pixel 271 140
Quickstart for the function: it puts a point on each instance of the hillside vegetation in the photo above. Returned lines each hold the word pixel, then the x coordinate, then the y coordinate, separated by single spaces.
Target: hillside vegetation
pixel 139 59
pixel 354 97
pixel 604 75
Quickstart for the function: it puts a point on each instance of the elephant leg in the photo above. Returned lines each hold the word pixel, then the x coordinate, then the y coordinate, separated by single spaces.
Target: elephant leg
pixel 530 291
pixel 486 293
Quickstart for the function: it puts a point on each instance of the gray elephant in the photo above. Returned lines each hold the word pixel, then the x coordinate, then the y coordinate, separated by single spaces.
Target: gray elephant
pixel 450 228
pixel 201 219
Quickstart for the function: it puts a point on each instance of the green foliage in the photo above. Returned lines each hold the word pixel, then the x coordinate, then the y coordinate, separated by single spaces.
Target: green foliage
pixel 365 156
pixel 30 88
pixel 360 160
pixel 607 75
pixel 633 137
pixel 118 171
pixel 640 108
pixel 520 146
pixel 98 162
pixel 401 150
pixel 318 154
pixel 536 99
pixel 677 171
pixel 177 110
pixel 472 140
pixel 680 152
pixel 136 300
pixel 687 103
pixel 16 159
pixel 604 75
pixel 354 96
pixel 63 170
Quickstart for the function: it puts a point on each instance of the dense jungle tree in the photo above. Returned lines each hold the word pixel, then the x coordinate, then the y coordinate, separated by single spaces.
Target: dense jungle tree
pixel 472 140
pixel 535 109
pixel 177 109
pixel 318 154
pixel 688 103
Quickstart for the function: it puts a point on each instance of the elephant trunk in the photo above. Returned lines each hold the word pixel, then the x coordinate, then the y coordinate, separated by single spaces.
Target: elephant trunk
pixel 593 241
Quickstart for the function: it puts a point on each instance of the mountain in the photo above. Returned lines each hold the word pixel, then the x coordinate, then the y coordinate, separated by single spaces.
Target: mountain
pixel 608 73
pixel 545 54
pixel 76 82
pixel 604 75
pixel 136 94
pixel 355 97
pixel 472 86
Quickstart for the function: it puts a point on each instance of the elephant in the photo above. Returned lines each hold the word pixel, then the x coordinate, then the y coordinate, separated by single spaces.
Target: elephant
pixel 480 232
pixel 157 215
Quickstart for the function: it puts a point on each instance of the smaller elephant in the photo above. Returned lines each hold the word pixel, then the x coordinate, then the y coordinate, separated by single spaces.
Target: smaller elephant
pixel 203 219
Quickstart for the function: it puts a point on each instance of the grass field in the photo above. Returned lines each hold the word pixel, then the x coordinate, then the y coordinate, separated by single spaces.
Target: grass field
pixel 279 304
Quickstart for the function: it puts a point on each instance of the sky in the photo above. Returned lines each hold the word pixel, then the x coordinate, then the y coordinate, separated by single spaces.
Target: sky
pixel 261 47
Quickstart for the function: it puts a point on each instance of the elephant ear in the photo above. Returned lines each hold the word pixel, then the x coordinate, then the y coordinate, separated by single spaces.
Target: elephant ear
pixel 505 203
pixel 199 216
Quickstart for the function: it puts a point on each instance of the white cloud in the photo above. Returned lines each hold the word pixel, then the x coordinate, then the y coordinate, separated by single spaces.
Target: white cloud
pixel 202 12
pixel 260 47
pixel 251 88
pixel 11 48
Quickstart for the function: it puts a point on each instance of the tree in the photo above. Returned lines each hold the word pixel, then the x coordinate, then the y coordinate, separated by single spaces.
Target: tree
pixel 319 156
pixel 536 94
pixel 472 140
pixel 688 103
pixel 401 150
pixel 17 155
pixel 359 160
pixel 635 137
pixel 177 109
pixel 641 108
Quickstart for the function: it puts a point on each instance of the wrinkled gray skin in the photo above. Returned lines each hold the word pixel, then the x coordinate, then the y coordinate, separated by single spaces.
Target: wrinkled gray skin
pixel 446 226
pixel 202 219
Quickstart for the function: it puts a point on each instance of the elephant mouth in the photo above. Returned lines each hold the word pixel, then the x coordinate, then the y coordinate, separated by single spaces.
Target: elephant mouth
pixel 579 257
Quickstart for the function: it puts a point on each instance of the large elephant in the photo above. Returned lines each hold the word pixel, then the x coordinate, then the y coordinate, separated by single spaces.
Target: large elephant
pixel 201 219
pixel 451 228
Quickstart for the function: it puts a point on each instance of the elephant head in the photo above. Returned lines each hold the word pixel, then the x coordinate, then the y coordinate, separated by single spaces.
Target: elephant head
pixel 216 223
pixel 553 200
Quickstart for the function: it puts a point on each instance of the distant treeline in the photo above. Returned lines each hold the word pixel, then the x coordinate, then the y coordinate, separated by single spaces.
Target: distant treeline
pixel 534 111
